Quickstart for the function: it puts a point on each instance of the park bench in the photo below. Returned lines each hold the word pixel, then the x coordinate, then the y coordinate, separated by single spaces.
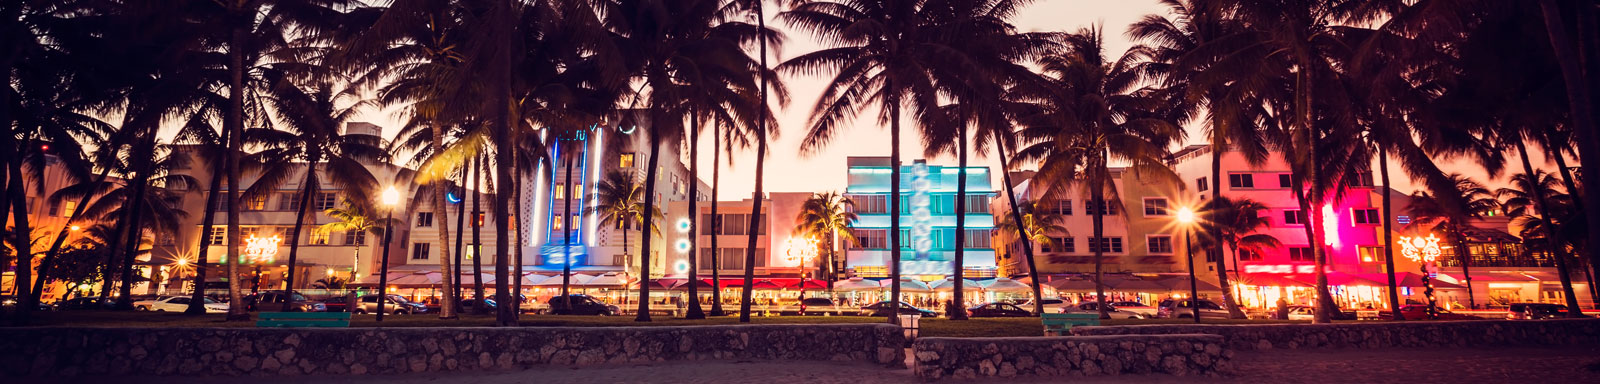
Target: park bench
pixel 1058 323
pixel 303 319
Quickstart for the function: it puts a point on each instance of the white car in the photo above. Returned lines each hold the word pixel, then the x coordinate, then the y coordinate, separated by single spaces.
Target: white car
pixel 1051 305
pixel 177 304
pixel 1093 307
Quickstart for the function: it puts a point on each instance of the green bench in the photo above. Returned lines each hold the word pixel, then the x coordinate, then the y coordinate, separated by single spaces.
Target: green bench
pixel 1058 323
pixel 303 319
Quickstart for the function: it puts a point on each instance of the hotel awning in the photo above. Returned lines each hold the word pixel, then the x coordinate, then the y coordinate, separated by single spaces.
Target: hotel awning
pixel 856 284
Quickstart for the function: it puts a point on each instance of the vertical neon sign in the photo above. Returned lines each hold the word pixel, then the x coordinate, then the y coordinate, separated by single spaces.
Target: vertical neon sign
pixel 921 212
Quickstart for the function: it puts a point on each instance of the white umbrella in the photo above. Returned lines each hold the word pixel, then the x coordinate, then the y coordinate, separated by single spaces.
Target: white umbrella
pixel 1001 284
pixel 948 284
pixel 907 285
pixel 856 284
pixel 555 281
pixel 607 280
pixel 533 279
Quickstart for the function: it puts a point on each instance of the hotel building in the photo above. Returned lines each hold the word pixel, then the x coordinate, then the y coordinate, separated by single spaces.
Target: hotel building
pixel 927 222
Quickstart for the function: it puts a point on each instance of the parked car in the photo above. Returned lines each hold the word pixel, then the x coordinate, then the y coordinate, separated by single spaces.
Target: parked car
pixel 84 303
pixel 884 309
pixel 1305 312
pixel 1183 309
pixel 395 305
pixel 1142 310
pixel 469 304
pixel 177 304
pixel 812 306
pixel 1535 311
pixel 9 303
pixel 1051 305
pixel 1094 307
pixel 273 300
pixel 998 310
pixel 337 303
pixel 1420 312
pixel 583 305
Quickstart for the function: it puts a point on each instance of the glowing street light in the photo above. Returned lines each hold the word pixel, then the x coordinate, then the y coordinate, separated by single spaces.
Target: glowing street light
pixel 390 198
pixel 1185 216
pixel 75 228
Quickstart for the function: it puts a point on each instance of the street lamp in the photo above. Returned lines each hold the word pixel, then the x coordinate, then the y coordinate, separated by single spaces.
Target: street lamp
pixel 1186 219
pixel 390 198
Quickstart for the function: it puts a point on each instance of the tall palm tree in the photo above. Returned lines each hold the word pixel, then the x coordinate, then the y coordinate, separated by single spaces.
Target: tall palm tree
pixel 355 216
pixel 1037 224
pixel 897 54
pixel 1475 201
pixel 307 137
pixel 1535 198
pixel 1570 45
pixel 619 202
pixel 1089 111
pixel 827 216
pixel 1234 224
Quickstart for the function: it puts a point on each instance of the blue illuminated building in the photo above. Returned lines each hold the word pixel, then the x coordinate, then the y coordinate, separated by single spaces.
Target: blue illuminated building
pixel 927 222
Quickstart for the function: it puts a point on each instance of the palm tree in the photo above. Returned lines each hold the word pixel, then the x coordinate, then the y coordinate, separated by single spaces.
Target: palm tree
pixel 306 137
pixel 828 216
pixel 1584 118
pixel 355 216
pixel 618 202
pixel 1234 224
pixel 1037 224
pixel 898 54
pixel 1474 201
pixel 1535 198
pixel 1088 112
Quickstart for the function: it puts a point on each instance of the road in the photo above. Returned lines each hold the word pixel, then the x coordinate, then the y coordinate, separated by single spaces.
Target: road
pixel 1409 366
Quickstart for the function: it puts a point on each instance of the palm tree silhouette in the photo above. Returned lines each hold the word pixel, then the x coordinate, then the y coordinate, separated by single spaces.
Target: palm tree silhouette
pixel 827 216
pixel 1233 224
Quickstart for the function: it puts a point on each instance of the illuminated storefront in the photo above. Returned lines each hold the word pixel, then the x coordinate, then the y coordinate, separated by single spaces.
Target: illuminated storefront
pixel 927 222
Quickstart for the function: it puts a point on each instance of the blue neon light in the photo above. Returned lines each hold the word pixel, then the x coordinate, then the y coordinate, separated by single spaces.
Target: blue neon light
pixel 452 198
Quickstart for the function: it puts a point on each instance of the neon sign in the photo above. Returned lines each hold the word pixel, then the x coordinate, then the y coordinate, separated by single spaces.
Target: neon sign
pixel 259 250
pixel 1281 268
pixel 800 251
pixel 1424 249
pixel 1330 226
pixel 921 211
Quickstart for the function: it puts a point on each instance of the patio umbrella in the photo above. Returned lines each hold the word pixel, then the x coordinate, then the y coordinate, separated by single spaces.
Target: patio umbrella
pixel 1138 285
pixel 470 278
pixel 607 280
pixel 1181 283
pixel 533 279
pixel 416 278
pixel 856 284
pixel 1001 284
pixel 373 278
pixel 667 283
pixel 766 284
pixel 809 284
pixel 1071 284
pixel 555 281
pixel 948 284
pixel 907 285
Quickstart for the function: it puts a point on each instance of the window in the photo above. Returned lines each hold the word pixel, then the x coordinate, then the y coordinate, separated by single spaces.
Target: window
pixel 977 204
pixel 1362 179
pixel 288 201
pixel 319 238
pixel 326 201
pixel 1365 216
pixel 1201 185
pixel 872 239
pixel 869 203
pixel 258 203
pixel 1285 181
pixel 625 160
pixel 1301 254
pixel 424 219
pixel 1107 207
pixel 577 220
pixel 477 220
pixel 222 202
pixel 249 232
pixel 419 251
pixel 559 192
pixel 1109 244
pixel 1159 244
pixel 1241 180
pixel 1058 245
pixel 558 222
pixel 1155 207
pixel 977 239
pixel 219 236
pixel 67 208
pixel 1294 217
pixel 733 258
pixel 1248 255
pixel 354 237
pixel 1061 207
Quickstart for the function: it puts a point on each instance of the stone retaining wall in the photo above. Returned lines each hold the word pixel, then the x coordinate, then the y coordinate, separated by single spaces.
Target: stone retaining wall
pixel 264 351
pixel 1379 334
pixel 966 358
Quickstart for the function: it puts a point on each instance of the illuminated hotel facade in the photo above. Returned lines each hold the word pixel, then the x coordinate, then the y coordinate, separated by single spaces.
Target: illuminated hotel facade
pixel 927 224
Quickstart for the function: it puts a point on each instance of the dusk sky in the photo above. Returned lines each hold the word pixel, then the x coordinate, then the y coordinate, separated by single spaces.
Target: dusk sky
pixel 789 171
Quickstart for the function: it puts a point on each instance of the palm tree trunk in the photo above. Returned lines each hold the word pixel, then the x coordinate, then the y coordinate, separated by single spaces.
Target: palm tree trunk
pixel 1577 203
pixel 115 244
pixel 516 208
pixel 233 124
pixel 694 211
pixel 716 253
pixel 894 205
pixel 1551 236
pixel 1575 57
pixel 1218 147
pixel 477 236
pixel 566 232
pixel 197 304
pixel 451 271
pixel 1464 254
pixel 1022 234
pixel 1388 237
pixel 20 240
pixel 761 162
pixel 1325 303
pixel 956 297
pixel 61 236
pixel 656 123
pixel 1097 197
pixel 135 232
pixel 461 233
pixel 309 185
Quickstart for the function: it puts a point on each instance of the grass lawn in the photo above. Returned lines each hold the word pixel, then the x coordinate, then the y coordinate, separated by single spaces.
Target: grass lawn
pixel 1000 327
